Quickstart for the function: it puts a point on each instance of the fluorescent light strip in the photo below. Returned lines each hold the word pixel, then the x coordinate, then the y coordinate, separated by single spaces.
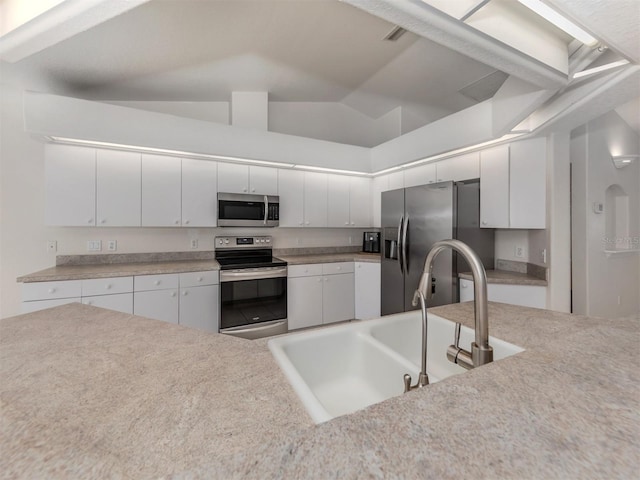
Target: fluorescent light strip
pixel 135 148
pixel 450 154
pixel 559 21
pixel 331 170
pixel 601 68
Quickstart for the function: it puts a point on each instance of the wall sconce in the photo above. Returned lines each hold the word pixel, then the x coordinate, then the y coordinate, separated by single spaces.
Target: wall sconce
pixel 621 161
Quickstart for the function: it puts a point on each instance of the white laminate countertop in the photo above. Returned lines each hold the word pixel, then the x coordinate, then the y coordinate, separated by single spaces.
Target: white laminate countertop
pixel 92 393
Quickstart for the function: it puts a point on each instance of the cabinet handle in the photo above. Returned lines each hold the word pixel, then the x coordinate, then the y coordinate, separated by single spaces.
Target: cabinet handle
pixel 464 285
pixel 253 189
pixel 177 222
pixel 484 222
pixel 200 279
pixel 299 223
pixel 90 302
pixel 184 294
pixel 107 286
pixel 173 294
pixel 103 221
pixel 306 223
pixel 90 220
pixel 339 268
pixel 52 290
pixel 156 282
pixel 353 223
pixel 186 222
pixel 244 189
pixel 346 223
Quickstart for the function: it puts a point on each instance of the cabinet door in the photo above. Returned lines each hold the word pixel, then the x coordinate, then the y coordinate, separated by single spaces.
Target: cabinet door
pixel 304 302
pixel 199 193
pixel 494 187
pixel 528 187
pixel 420 175
pixel 337 201
pixel 199 307
pixel 360 202
pixel 28 307
pixel 396 180
pixel 367 290
pixel 263 180
pixel 157 304
pixel 315 199
pixel 338 299
pixel 118 188
pixel 378 185
pixel 464 167
pixel 70 186
pixel 291 192
pixel 121 302
pixel 161 191
pixel 233 178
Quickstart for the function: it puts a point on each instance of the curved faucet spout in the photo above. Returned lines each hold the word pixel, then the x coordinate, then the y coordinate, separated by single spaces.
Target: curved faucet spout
pixel 481 351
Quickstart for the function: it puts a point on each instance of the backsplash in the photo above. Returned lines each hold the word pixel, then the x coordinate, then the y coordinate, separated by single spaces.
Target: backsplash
pixel 522 267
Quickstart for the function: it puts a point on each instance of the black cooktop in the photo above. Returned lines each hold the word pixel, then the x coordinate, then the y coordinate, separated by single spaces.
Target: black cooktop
pixel 231 260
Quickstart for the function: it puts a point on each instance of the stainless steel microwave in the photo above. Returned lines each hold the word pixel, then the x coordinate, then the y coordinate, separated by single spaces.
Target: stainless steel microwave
pixel 248 210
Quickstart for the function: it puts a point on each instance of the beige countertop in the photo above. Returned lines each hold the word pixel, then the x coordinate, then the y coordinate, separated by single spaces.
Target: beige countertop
pixel 91 393
pixel 508 278
pixel 81 272
pixel 330 258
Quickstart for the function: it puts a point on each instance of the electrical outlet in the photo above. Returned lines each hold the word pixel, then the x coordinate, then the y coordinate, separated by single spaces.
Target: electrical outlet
pixel 194 243
pixel 52 246
pixel 112 245
pixel 94 245
pixel 544 256
pixel 519 251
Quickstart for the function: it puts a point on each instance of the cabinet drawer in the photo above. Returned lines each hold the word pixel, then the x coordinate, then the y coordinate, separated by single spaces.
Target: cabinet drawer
pixel 309 270
pixel 107 286
pixel 51 290
pixel 28 307
pixel 336 268
pixel 155 282
pixel 196 279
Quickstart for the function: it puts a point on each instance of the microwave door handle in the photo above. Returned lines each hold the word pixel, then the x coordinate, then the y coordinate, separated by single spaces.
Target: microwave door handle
pixel 266 209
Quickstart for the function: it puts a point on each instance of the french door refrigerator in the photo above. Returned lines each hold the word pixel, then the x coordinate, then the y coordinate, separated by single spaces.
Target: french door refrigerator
pixel 413 219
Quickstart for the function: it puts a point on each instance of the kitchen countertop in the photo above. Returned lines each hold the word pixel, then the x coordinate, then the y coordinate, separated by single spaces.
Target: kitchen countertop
pixel 91 393
pixel 80 272
pixel 331 258
pixel 507 278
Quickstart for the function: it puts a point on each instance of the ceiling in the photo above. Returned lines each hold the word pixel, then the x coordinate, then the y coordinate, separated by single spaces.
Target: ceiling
pixel 297 50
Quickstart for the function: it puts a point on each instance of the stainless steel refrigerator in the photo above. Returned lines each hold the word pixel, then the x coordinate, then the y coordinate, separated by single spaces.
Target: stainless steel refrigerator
pixel 413 219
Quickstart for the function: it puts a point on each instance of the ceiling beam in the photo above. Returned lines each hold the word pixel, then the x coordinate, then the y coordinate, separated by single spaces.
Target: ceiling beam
pixel 429 22
pixel 60 22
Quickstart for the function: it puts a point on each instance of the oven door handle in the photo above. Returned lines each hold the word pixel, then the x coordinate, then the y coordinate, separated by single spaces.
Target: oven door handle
pixel 251 332
pixel 266 209
pixel 228 276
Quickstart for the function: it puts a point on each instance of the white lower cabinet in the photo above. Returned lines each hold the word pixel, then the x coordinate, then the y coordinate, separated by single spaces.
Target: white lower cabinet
pixel 120 302
pixel 319 294
pixel 367 290
pixel 157 304
pixel 524 295
pixel 35 305
pixel 199 294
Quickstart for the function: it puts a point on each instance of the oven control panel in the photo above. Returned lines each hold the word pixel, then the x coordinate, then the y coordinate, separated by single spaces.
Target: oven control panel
pixel 264 241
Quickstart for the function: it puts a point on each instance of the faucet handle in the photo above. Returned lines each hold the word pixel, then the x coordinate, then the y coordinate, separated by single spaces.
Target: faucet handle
pixel 407 382
pixel 456 336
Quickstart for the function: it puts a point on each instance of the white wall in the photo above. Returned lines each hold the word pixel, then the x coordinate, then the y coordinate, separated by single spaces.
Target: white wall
pixel 603 285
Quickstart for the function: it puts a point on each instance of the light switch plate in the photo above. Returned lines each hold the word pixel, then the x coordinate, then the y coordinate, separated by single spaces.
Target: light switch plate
pixel 94 245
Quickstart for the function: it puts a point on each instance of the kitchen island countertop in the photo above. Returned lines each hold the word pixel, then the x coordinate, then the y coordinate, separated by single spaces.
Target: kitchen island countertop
pixel 90 393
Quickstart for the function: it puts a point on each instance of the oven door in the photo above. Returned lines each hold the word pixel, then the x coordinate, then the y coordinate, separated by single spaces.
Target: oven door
pixel 253 302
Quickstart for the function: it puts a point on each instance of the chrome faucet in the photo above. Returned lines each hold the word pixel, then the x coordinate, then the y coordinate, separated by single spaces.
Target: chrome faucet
pixel 481 352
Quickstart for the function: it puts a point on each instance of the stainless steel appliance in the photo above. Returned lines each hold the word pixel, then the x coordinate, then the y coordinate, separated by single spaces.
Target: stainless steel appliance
pixel 253 287
pixel 413 219
pixel 371 242
pixel 248 210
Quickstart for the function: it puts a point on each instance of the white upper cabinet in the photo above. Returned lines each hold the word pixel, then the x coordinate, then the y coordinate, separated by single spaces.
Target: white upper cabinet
pixel 420 175
pixel 338 201
pixel 396 180
pixel 236 178
pixel 263 180
pixel 378 185
pixel 315 199
pixel 528 177
pixel 118 188
pixel 233 178
pixel 494 187
pixel 161 191
pixel 291 192
pixel 70 176
pixel 464 167
pixel 360 202
pixel 199 193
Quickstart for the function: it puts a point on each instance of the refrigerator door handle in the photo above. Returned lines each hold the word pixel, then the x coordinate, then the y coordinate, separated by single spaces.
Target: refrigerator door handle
pixel 400 244
pixel 405 261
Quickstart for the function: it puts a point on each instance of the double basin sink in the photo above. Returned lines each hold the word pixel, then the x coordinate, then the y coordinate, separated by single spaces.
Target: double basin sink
pixel 341 369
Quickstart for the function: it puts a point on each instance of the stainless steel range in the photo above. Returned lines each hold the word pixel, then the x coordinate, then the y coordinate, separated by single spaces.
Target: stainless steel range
pixel 253 287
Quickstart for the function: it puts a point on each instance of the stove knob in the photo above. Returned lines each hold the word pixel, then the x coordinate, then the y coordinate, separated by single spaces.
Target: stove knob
pixel 226 240
pixel 268 240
